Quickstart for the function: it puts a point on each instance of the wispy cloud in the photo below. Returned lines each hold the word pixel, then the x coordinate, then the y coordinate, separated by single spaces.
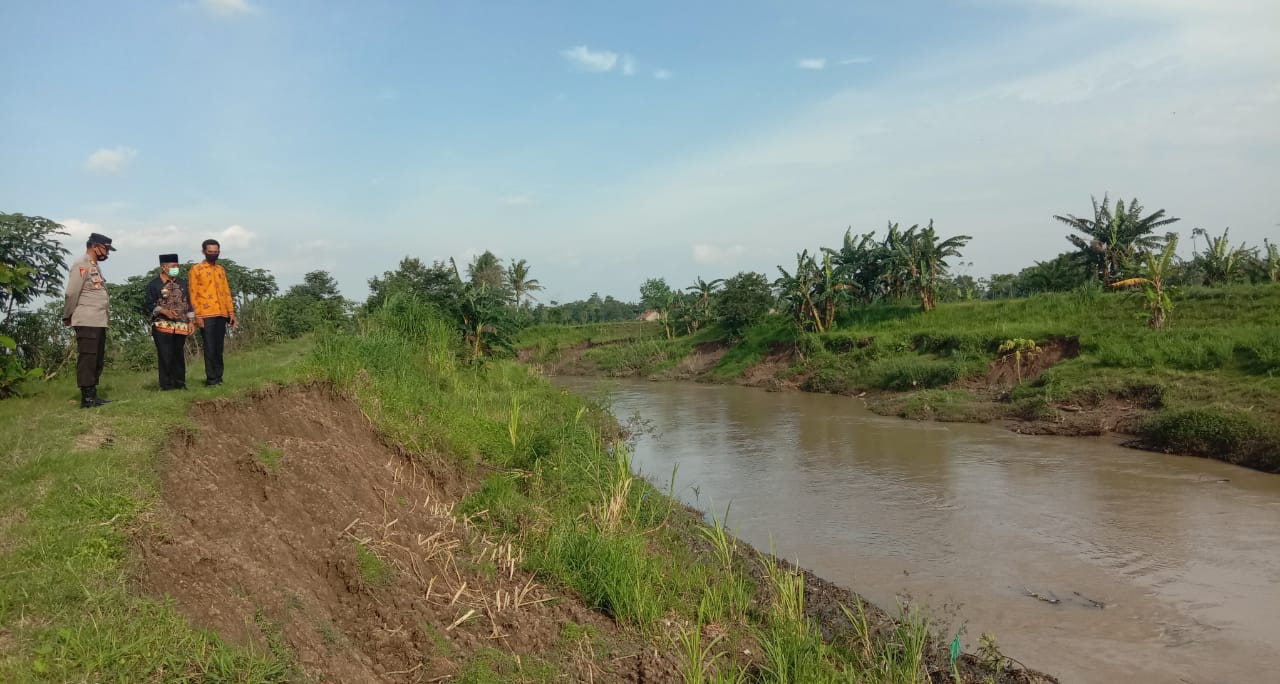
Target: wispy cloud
pixel 709 254
pixel 517 200
pixel 79 230
pixel 812 63
pixel 662 74
pixel 855 60
pixel 628 65
pixel 112 160
pixel 228 8
pixel 587 59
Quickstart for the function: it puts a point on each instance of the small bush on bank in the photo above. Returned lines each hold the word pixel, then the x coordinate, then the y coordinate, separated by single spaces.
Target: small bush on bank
pixel 1214 433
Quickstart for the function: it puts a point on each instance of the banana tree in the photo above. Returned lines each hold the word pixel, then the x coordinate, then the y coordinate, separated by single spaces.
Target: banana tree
pixel 928 260
pixel 1114 237
pixel 1272 263
pixel 1157 269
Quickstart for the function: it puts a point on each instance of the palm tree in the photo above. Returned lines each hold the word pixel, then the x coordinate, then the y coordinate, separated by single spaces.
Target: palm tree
pixel 704 290
pixel 928 260
pixel 1113 238
pixel 519 282
pixel 487 269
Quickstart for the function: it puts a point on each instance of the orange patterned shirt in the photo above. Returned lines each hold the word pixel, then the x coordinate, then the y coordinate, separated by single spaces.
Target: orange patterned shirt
pixel 210 293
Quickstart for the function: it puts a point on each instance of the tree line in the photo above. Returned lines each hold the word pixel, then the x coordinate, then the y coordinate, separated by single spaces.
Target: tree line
pixel 1116 246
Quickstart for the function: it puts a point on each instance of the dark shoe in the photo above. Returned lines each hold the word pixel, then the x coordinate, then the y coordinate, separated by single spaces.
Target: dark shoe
pixel 212 383
pixel 89 398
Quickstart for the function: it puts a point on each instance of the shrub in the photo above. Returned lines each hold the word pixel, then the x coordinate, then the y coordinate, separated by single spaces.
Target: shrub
pixel 1223 434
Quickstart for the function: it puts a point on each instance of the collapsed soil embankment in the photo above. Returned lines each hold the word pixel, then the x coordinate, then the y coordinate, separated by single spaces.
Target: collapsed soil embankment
pixel 288 523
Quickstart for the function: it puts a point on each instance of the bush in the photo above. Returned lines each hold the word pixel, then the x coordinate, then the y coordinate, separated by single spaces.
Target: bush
pixel 1226 435
pixel 1033 408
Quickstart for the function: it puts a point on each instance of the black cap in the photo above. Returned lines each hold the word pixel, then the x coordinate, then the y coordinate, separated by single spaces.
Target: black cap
pixel 100 239
pixel 168 258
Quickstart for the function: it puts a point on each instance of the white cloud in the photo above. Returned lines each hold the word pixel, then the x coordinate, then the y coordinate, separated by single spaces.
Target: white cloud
pixel 855 60
pixel 591 60
pixel 812 63
pixel 517 200
pixel 235 237
pixel 111 160
pixel 662 74
pixel 628 65
pixel 709 254
pixel 228 8
pixel 79 230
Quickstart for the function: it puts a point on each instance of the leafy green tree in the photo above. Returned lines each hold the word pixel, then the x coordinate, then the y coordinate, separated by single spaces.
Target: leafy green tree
pixel 1062 273
pixel 657 295
pixel 744 300
pixel 519 282
pixel 33 259
pixel 487 322
pixel 437 284
pixel 1112 238
pixel 313 304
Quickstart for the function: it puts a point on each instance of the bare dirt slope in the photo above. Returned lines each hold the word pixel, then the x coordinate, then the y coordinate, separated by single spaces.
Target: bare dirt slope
pixel 289 524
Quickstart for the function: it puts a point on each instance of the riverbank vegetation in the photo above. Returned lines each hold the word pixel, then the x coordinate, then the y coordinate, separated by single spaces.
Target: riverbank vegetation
pixel 549 557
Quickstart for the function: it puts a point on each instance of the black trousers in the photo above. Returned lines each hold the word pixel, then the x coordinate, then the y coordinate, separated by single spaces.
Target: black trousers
pixel 215 332
pixel 91 343
pixel 171 355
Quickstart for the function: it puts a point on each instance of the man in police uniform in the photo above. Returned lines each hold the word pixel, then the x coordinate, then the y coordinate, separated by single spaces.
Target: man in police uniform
pixel 85 308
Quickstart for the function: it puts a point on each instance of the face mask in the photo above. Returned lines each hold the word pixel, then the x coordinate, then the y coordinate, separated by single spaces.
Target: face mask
pixel 211 258
pixel 173 272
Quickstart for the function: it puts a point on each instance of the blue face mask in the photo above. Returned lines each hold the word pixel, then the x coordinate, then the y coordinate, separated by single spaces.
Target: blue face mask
pixel 173 272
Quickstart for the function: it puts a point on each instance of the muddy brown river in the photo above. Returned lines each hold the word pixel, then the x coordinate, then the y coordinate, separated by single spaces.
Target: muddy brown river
pixel 1183 552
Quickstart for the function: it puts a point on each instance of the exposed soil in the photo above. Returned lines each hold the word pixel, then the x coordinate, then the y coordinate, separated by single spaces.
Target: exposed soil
pixel 287 521
pixel 1015 368
pixel 704 357
pixel 770 372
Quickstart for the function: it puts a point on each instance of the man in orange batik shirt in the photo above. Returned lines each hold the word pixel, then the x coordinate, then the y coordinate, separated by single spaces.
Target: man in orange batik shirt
pixel 214 308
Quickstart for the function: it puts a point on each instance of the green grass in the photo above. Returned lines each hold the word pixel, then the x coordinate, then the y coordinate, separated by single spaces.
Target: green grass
pixel 73 483
pixel 270 456
pixel 374 572
pixel 587 525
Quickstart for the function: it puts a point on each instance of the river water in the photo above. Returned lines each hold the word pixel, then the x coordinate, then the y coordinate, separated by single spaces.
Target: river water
pixel 1183 552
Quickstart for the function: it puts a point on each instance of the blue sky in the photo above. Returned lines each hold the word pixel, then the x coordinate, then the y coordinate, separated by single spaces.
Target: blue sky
pixel 608 142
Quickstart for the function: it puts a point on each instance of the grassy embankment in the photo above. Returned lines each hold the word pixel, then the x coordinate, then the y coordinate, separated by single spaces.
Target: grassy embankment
pixel 76 486
pixel 1207 385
